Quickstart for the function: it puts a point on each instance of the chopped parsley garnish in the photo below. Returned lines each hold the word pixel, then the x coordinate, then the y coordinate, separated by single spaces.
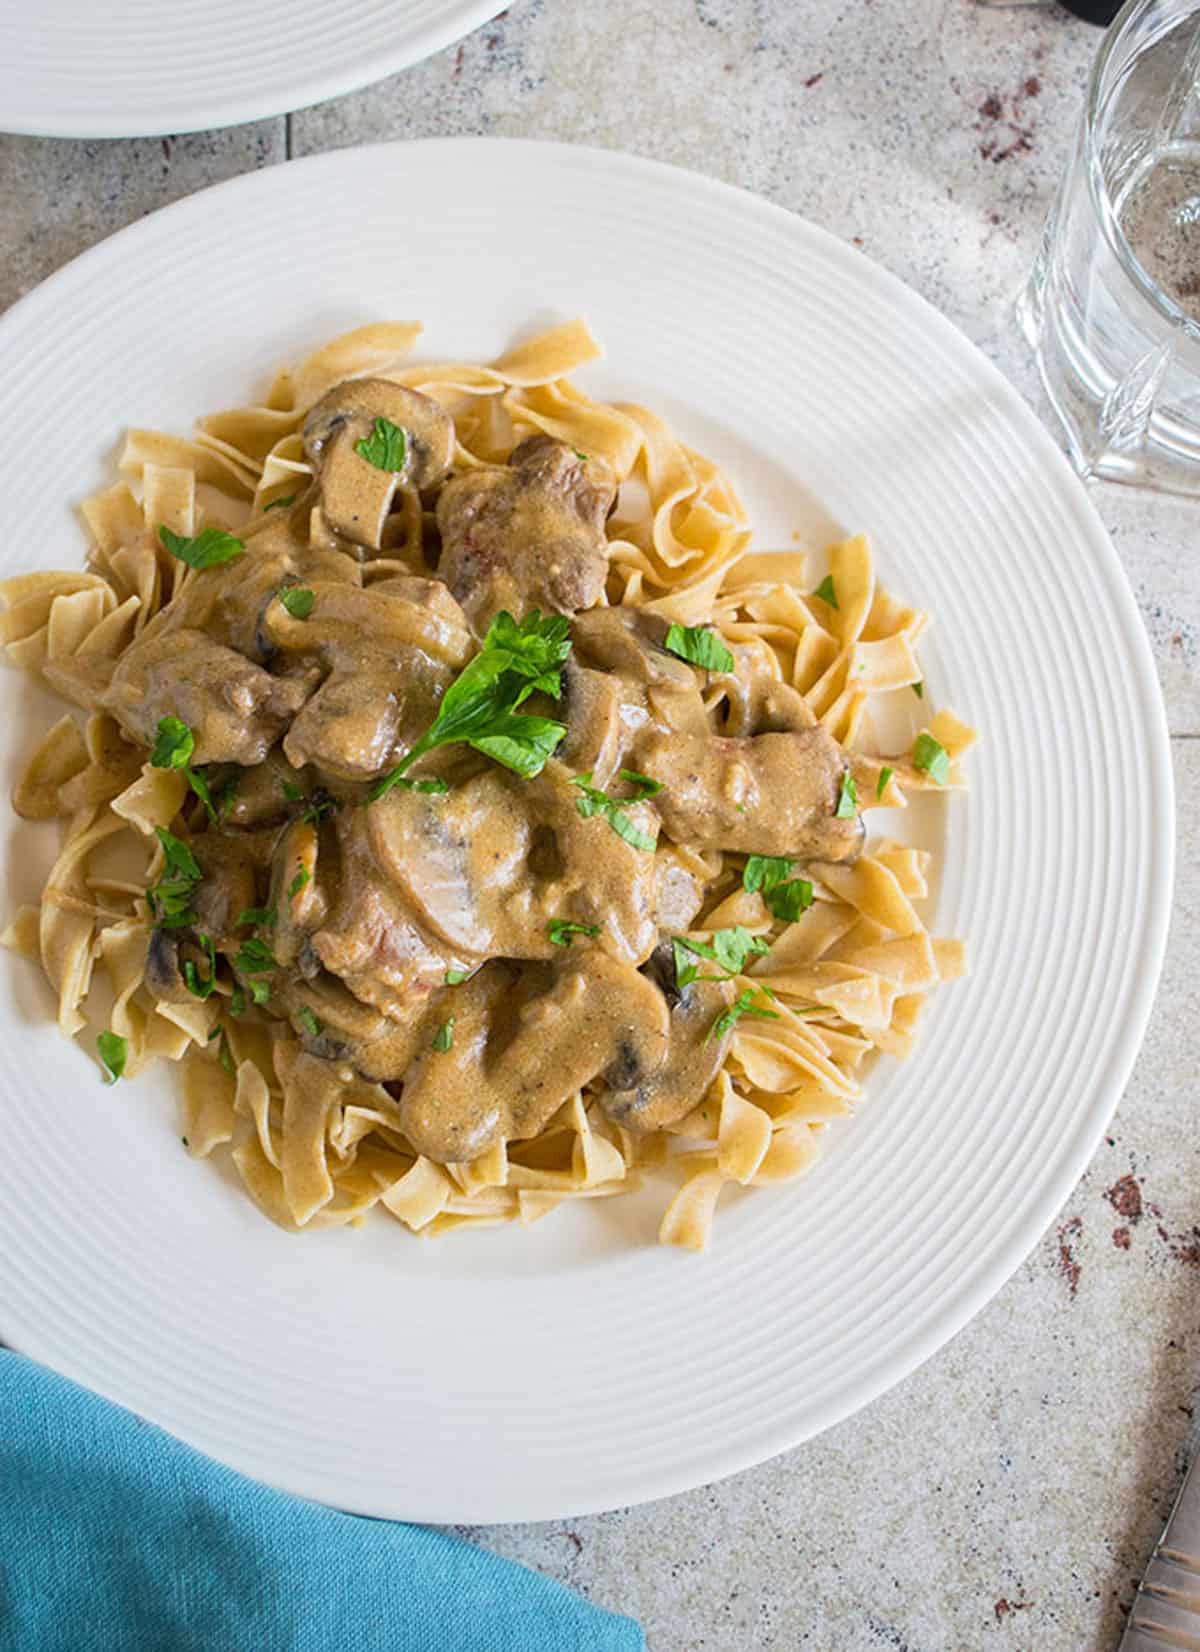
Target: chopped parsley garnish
pixel 225 1054
pixel 385 447
pixel 113 1051
pixel 918 689
pixel 847 803
pixel 308 1021
pixel 745 1005
pixel 826 591
pixel 255 915
pixel 280 504
pixel 560 931
pixel 260 991
pixel 642 784
pixel 787 901
pixel 207 550
pixel 729 948
pixel 255 958
pixel 595 802
pixel 298 600
pixel 201 986
pixel 479 709
pixel 455 977
pixel 292 792
pixel 237 1002
pixel 765 871
pixel 444 1036
pixel 173 750
pixel 303 876
pixel 174 746
pixel 171 897
pixel 885 774
pixel 699 646
pixel 434 785
pixel 931 757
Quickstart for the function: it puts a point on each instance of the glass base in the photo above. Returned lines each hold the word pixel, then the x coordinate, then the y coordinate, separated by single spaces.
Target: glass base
pixel 1112 429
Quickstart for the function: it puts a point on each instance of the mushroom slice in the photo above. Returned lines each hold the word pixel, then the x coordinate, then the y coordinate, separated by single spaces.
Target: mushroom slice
pixel 694 1056
pixel 521 1046
pixel 357 494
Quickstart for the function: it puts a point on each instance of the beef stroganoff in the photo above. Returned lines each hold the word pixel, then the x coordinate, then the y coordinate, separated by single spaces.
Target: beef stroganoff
pixel 498 813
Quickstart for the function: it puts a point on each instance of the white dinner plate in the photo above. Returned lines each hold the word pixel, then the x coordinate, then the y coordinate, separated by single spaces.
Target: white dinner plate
pixel 573 1366
pixel 137 68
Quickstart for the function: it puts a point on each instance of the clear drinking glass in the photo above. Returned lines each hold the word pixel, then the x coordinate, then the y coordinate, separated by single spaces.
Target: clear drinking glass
pixel 1112 308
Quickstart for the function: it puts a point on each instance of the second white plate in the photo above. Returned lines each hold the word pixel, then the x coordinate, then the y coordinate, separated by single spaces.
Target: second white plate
pixel 524 1374
pixel 137 68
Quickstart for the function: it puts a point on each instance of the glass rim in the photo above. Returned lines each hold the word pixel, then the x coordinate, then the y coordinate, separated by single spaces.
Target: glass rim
pixel 1114 36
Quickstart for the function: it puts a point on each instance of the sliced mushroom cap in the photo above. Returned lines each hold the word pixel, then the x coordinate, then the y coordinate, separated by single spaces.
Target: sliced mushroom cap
pixel 520 1048
pixel 296 898
pixel 350 409
pixel 652 1101
pixel 163 975
pixel 357 495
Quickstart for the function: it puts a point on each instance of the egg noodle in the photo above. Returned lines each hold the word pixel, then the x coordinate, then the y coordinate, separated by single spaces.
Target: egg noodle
pixel 849 977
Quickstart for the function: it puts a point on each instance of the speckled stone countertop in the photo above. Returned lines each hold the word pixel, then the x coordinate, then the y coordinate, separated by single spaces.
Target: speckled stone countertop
pixel 1008 1494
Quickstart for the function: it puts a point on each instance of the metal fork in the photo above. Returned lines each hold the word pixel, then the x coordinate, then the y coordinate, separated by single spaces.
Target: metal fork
pixel 1166 1609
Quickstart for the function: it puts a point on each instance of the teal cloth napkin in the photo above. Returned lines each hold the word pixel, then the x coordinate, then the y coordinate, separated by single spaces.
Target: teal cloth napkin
pixel 115 1537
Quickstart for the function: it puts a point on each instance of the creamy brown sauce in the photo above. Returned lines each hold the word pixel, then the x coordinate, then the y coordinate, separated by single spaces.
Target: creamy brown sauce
pixel 374 903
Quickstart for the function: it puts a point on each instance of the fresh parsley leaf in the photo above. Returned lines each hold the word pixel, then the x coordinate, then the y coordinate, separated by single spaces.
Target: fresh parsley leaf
pixel 699 646
pixel 113 1051
pixel 291 792
pixel 847 803
pixel 200 786
pixel 171 897
pixel 642 784
pixel 918 689
pixel 787 901
pixel 765 871
pixel 885 774
pixel 385 447
pixel 730 948
pixel 595 802
pixel 229 792
pixel 444 1036
pixel 265 915
pixel 317 807
pixel 435 786
pixel 745 1005
pixel 455 977
pixel 560 931
pixel 520 742
pixel 303 876
pixel 825 590
pixel 581 456
pixel 173 750
pixel 207 550
pixel 298 600
pixel 931 757
pixel 237 1002
pixel 479 709
pixel 280 504
pixel 308 1021
pixel 255 958
pixel 201 986
pixel 260 991
pixel 175 744
pixel 225 1054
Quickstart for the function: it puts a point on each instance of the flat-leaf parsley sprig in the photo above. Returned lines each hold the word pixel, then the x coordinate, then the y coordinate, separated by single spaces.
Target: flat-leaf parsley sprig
pixel 481 707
